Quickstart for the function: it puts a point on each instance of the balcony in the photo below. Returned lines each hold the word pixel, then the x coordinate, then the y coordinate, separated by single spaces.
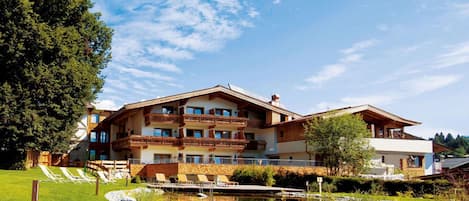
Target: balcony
pixel 162 118
pixel 194 119
pixel 233 144
pixel 256 145
pixel 142 141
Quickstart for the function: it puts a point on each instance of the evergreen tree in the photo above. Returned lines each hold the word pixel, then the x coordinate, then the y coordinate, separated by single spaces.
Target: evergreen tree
pixel 51 55
pixel 341 141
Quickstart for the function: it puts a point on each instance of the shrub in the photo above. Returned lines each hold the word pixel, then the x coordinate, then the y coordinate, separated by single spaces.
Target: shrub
pixel 254 175
pixel 136 179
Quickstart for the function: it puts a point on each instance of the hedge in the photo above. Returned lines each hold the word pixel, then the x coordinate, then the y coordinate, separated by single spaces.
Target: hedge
pixel 343 184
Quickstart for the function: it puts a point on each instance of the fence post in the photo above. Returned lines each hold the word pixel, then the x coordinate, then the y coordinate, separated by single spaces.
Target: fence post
pixel 97 185
pixel 35 191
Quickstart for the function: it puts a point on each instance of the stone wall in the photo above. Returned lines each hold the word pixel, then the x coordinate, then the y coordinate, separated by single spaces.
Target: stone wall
pixel 173 169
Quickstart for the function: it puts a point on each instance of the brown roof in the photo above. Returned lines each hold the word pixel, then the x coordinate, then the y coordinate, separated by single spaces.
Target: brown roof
pixel 353 110
pixel 202 92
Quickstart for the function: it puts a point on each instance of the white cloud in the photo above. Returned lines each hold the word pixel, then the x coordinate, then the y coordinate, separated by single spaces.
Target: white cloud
pixel 106 105
pixel 360 46
pixel 144 74
pixel 457 55
pixel 170 53
pixel 159 65
pixel 150 37
pixel 328 72
pixel 276 1
pixel 429 83
pixel 351 58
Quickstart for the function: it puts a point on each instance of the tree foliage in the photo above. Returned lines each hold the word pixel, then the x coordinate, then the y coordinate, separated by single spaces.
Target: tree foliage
pixel 459 145
pixel 51 55
pixel 341 141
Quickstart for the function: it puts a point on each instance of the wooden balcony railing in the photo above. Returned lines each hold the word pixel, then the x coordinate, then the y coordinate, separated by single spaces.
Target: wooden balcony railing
pixel 142 141
pixel 215 120
pixel 237 144
pixel 162 118
pixel 139 140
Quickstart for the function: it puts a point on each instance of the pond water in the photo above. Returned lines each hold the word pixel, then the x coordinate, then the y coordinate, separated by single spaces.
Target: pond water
pixel 193 197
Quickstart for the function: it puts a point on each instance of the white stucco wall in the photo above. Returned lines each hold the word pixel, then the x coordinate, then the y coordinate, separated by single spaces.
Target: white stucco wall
pixel 402 145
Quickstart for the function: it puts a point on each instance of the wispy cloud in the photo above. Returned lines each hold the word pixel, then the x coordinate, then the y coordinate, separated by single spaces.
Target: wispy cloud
pixel 276 1
pixel 349 56
pixel 360 46
pixel 106 105
pixel 456 55
pixel 151 37
pixel 429 83
pixel 405 89
pixel 328 72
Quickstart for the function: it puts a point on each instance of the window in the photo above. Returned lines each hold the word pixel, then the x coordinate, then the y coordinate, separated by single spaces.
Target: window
pixel 221 159
pixel 161 132
pixel 222 134
pixel 283 117
pixel 95 118
pixel 92 154
pixel 93 136
pixel 103 157
pixel 195 110
pixel 194 159
pixel 223 112
pixel 194 133
pixel 103 137
pixel 414 161
pixel 161 158
pixel 249 136
pixel 167 110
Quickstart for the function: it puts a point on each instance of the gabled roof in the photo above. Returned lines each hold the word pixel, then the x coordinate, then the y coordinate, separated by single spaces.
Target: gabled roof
pixel 451 163
pixel 202 92
pixel 357 109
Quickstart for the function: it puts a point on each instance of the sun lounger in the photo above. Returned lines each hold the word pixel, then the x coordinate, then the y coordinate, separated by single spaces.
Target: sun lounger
pixel 104 178
pixel 223 180
pixel 202 179
pixel 51 175
pixel 83 176
pixel 70 176
pixel 161 178
pixel 182 179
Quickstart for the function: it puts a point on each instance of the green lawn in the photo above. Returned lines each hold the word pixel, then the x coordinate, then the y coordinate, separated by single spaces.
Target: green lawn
pixel 17 185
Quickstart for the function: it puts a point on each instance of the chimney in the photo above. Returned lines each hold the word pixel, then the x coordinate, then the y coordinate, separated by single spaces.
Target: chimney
pixel 275 100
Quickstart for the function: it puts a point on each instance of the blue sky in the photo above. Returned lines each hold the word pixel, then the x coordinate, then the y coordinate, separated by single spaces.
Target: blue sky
pixel 410 58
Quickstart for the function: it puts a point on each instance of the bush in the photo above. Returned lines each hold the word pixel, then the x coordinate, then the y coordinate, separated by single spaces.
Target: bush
pixel 284 178
pixel 136 179
pixel 254 175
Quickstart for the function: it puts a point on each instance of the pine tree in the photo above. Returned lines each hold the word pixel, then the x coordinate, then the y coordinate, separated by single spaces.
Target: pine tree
pixel 51 54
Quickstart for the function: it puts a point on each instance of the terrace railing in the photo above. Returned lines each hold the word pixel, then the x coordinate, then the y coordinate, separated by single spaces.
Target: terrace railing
pixel 232 161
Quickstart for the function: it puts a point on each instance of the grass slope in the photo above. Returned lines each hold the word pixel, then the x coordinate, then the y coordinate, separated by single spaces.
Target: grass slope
pixel 17 186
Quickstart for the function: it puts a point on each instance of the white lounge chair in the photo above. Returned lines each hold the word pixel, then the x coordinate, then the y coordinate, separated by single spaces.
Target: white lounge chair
pixel 51 175
pixel 104 178
pixel 83 176
pixel 70 176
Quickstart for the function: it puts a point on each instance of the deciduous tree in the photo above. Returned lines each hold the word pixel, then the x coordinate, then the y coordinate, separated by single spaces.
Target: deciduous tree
pixel 341 142
pixel 51 56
